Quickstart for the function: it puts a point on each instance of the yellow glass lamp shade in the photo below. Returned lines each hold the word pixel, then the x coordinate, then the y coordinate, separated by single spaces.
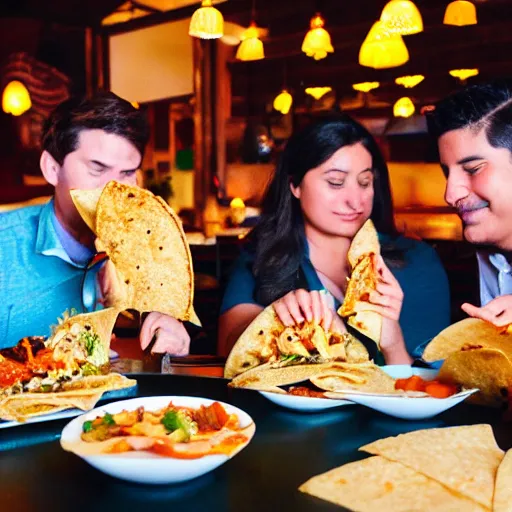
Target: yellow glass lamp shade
pixel 463 74
pixel 404 107
pixel 207 22
pixel 409 81
pixel 365 86
pixel 402 17
pixel 317 43
pixel 381 49
pixel 237 211
pixel 460 13
pixel 251 47
pixel 283 102
pixel 16 98
pixel 318 92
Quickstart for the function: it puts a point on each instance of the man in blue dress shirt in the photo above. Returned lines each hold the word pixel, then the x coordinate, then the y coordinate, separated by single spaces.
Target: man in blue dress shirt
pixel 473 128
pixel 44 250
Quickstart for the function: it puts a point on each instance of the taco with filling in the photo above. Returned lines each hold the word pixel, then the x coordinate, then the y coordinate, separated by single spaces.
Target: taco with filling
pixel 362 255
pixel 476 355
pixel 267 341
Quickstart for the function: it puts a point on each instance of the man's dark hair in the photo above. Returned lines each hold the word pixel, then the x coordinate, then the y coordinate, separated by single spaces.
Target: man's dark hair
pixel 105 111
pixel 486 105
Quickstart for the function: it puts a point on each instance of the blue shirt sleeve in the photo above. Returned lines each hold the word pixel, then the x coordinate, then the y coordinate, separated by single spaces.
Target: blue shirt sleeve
pixel 241 284
pixel 426 305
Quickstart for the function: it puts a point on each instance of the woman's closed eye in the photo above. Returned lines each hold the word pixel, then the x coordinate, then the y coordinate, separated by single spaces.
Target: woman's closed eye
pixel 473 170
pixel 335 183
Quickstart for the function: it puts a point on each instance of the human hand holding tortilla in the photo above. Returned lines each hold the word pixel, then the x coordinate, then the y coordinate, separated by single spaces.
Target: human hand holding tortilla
pixel 171 336
pixel 301 305
pixel 497 312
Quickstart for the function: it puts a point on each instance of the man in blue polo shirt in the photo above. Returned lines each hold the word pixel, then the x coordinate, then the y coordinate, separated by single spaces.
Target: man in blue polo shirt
pixel 45 250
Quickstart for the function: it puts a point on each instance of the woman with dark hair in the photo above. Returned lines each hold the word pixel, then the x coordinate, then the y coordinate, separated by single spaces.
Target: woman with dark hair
pixel 330 179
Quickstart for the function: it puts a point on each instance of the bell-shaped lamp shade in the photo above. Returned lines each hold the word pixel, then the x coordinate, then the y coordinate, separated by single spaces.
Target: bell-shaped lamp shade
pixel 207 22
pixel 365 86
pixel 460 13
pixel 402 17
pixel 16 98
pixel 381 49
pixel 251 47
pixel 409 81
pixel 317 43
pixel 463 74
pixel 318 92
pixel 283 102
pixel 404 107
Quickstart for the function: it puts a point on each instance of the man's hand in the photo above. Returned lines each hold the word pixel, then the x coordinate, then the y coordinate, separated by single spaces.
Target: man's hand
pixel 497 312
pixel 171 336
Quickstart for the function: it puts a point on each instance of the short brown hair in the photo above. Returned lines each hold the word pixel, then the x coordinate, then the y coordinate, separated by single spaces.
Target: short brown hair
pixel 104 111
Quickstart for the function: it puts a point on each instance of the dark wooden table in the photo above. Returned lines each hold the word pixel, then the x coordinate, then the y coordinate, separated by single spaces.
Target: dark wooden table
pixel 287 449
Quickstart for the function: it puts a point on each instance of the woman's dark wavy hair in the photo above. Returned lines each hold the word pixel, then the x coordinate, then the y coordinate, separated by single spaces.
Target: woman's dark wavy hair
pixel 278 239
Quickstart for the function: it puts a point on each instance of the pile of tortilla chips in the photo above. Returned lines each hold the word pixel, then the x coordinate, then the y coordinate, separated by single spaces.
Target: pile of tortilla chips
pixel 82 392
pixel 476 355
pixel 363 251
pixel 144 240
pixel 442 469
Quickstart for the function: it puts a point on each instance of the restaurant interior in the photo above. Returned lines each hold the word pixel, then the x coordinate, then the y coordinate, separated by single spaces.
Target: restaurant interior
pixel 222 104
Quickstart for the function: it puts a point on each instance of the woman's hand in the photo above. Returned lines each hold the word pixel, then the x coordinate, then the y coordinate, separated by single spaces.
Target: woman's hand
pixel 300 305
pixel 171 336
pixel 497 312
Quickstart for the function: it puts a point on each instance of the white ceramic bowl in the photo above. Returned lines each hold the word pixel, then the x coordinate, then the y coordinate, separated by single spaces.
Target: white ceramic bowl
pixel 303 403
pixel 409 408
pixel 143 467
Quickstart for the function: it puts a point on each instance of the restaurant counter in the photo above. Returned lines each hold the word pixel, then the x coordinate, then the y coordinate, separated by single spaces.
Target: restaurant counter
pixel 287 449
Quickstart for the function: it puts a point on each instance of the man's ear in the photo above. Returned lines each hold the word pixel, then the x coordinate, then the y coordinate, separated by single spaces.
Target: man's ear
pixel 50 168
pixel 295 190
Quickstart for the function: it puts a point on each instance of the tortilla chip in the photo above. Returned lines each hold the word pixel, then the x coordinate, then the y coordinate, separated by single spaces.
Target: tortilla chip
pixel 368 323
pixel 365 242
pixel 367 378
pixel 487 369
pixel 463 459
pixel 468 333
pixel 265 376
pixel 378 484
pixel 86 202
pixel 101 322
pixel 98 383
pixel 502 501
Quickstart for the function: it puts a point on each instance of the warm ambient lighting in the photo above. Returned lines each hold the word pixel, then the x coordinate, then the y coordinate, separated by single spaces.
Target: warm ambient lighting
pixel 381 49
pixel 207 22
pixel 135 105
pixel 402 17
pixel 463 74
pixel 16 99
pixel 318 92
pixel 317 43
pixel 409 81
pixel 283 102
pixel 404 107
pixel 251 47
pixel 365 86
pixel 460 13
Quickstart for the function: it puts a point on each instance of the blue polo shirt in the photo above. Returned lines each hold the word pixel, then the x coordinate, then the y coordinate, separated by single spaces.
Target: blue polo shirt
pixel 426 306
pixel 38 278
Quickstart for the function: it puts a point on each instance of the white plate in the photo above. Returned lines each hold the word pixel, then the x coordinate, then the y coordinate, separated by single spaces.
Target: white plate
pixel 143 467
pixel 303 403
pixel 405 407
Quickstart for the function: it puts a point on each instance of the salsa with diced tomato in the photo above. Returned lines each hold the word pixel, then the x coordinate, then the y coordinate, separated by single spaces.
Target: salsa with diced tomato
pixel 433 388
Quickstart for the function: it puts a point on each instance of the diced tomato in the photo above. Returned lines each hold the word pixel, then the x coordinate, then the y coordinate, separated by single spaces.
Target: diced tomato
pixel 440 390
pixel 414 383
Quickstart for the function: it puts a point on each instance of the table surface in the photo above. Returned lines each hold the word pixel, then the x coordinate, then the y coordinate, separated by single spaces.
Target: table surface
pixel 288 448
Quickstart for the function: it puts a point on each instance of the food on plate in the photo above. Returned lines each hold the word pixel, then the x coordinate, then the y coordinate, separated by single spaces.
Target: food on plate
pixel 434 387
pixel 502 501
pixel 362 255
pixel 144 240
pixel 69 369
pixel 266 340
pixel 476 355
pixel 441 469
pixel 172 431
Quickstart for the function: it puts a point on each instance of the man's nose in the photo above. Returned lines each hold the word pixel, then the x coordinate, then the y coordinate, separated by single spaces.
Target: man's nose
pixel 456 189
